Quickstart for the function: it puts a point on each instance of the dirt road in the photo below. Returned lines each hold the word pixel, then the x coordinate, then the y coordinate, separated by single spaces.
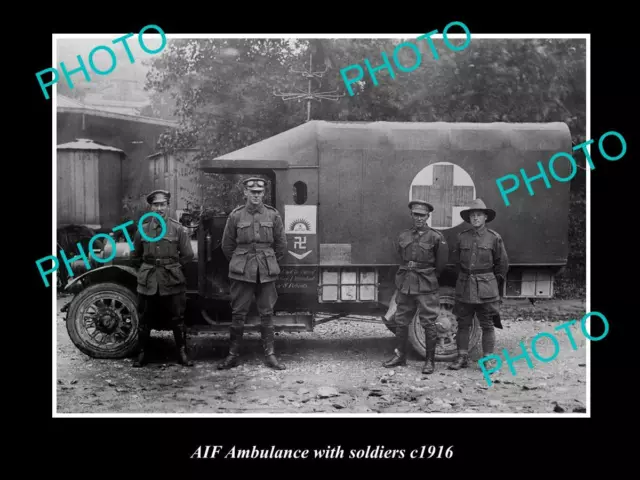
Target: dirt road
pixel 336 369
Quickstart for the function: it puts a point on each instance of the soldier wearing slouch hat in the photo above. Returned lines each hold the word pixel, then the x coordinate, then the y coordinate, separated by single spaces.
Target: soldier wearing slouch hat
pixel 482 264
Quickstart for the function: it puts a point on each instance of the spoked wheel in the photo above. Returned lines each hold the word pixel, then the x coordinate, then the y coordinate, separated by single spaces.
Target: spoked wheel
pixel 103 321
pixel 446 327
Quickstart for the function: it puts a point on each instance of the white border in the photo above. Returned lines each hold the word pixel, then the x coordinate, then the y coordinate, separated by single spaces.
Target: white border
pixel 55 414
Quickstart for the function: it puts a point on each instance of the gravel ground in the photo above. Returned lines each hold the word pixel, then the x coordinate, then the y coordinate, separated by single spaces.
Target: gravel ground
pixel 336 369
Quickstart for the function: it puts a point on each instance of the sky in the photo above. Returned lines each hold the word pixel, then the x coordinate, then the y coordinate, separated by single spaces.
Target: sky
pixel 69 48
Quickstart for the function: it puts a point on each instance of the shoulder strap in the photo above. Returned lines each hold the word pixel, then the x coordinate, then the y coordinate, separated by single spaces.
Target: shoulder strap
pixel 441 235
pixel 494 232
pixel 178 226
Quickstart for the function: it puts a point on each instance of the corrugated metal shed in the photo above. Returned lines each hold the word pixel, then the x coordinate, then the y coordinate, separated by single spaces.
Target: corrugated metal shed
pixel 177 174
pixel 68 105
pixel 68 102
pixel 116 106
pixel 89 184
pixel 86 144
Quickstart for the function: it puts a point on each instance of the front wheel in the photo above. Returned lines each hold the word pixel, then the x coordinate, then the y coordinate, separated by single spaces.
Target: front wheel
pixel 447 328
pixel 102 321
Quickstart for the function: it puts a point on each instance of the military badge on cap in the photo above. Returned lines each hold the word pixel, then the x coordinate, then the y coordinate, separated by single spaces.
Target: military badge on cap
pixel 158 196
pixel 420 206
pixel 254 184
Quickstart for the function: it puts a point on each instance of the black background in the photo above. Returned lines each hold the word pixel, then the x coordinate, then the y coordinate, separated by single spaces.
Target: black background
pixel 161 447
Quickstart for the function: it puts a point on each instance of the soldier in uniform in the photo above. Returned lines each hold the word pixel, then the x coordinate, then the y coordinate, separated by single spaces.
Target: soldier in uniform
pixel 424 253
pixel 482 264
pixel 161 281
pixel 254 243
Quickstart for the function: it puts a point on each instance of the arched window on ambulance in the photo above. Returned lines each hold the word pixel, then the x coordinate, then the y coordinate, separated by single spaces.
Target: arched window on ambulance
pixel 299 193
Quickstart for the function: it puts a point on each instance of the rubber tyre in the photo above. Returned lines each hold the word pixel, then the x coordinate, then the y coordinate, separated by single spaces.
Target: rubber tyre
pixel 79 333
pixel 417 338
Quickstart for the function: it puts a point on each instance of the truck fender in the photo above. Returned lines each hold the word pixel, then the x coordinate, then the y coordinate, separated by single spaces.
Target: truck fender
pixel 100 271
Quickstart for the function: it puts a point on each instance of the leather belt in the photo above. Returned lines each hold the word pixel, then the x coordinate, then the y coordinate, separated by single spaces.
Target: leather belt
pixel 412 264
pixel 255 247
pixel 160 261
pixel 476 271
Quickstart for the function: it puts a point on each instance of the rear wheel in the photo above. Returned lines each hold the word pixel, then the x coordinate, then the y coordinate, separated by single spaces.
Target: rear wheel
pixel 447 328
pixel 102 321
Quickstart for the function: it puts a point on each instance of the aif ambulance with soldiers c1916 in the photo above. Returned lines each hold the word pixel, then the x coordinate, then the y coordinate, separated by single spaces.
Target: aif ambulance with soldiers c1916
pixel 342 189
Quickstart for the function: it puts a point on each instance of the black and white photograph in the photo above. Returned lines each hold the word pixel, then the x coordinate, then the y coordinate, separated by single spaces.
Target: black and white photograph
pixel 322 225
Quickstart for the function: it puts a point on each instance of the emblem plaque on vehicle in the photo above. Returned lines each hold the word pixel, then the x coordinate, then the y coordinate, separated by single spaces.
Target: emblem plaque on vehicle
pixel 446 186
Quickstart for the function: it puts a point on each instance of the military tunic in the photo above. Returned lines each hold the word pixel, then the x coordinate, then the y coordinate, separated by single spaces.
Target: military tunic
pixel 424 256
pixel 429 252
pixel 254 243
pixel 161 263
pixel 481 259
pixel 161 281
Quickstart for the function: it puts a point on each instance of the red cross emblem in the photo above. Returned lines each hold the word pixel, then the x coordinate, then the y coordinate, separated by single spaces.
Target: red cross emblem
pixel 444 194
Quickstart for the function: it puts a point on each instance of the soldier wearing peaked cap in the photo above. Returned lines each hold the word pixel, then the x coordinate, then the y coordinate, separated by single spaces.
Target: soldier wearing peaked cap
pixel 482 264
pixel 161 280
pixel 424 254
pixel 254 243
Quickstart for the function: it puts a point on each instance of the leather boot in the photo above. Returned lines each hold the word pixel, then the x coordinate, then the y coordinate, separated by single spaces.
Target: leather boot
pixel 267 330
pixel 180 336
pixel 400 352
pixel 461 362
pixel 144 341
pixel 429 364
pixel 235 338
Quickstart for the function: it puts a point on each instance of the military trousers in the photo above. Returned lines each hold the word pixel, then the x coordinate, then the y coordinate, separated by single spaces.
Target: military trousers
pixel 243 293
pixel 161 311
pixel 427 306
pixel 485 313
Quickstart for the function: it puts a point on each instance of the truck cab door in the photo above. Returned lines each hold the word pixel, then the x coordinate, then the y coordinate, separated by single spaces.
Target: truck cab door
pixel 213 267
pixel 298 204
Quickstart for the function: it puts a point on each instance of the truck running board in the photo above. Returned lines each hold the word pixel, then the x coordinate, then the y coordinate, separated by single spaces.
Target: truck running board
pixel 287 323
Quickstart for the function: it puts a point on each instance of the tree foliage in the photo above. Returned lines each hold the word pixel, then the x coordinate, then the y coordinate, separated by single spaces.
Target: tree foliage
pixel 223 90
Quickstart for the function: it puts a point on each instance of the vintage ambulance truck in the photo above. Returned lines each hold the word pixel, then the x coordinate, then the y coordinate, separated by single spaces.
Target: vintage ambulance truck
pixel 342 189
